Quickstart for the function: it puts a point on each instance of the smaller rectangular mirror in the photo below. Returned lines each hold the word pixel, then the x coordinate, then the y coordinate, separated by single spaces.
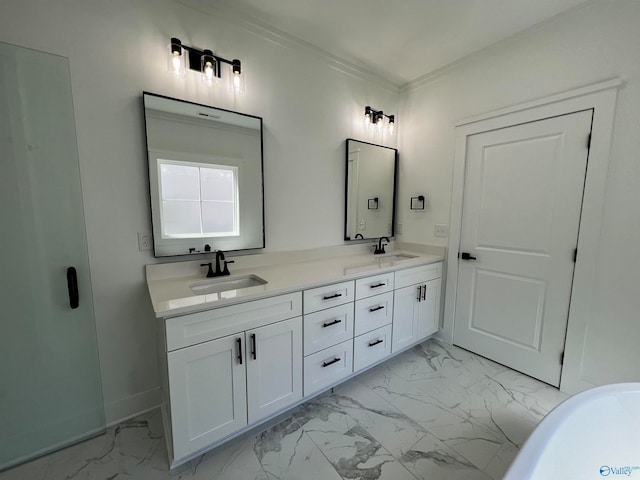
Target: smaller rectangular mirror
pixel 370 190
pixel 205 177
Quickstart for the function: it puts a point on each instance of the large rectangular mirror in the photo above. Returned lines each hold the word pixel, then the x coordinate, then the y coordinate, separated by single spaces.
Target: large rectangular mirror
pixel 205 177
pixel 370 190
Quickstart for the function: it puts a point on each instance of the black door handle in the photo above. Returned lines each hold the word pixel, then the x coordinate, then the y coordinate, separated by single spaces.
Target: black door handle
pixel 253 346
pixel 379 307
pixel 424 293
pixel 377 342
pixel 239 340
pixel 466 256
pixel 72 286
pixel 419 293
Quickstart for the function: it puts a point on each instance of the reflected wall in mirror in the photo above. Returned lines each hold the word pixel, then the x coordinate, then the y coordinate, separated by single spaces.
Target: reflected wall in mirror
pixel 205 177
pixel 370 190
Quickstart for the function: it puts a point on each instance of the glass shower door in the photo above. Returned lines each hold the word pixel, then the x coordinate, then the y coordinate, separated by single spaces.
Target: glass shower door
pixel 50 385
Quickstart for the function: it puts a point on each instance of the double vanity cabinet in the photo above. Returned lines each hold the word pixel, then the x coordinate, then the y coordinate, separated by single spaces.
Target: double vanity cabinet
pixel 227 369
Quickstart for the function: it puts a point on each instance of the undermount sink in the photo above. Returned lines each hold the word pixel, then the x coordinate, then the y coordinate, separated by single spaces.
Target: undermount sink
pixel 379 261
pixel 225 284
pixel 394 257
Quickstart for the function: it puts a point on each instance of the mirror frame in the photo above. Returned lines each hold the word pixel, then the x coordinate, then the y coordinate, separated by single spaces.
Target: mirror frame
pixel 346 189
pixel 203 240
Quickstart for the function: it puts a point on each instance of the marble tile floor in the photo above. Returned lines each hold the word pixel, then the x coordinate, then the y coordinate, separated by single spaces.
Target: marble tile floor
pixel 434 412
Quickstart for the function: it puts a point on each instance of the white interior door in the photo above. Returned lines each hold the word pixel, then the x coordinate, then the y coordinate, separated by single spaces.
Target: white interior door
pixel 521 214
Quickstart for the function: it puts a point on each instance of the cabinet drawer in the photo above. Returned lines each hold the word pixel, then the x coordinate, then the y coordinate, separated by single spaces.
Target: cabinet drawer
pixel 328 296
pixel 373 312
pixel 327 328
pixel 327 367
pixel 367 287
pixel 203 326
pixel 371 347
pixel 411 276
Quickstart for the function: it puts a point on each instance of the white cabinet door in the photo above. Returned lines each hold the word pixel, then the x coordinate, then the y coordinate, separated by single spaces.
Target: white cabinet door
pixel 208 393
pixel 405 317
pixel 429 309
pixel 274 367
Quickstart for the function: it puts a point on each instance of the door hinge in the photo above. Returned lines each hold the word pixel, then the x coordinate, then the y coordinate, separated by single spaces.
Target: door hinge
pixel 589 142
pixel 575 255
pixel 562 358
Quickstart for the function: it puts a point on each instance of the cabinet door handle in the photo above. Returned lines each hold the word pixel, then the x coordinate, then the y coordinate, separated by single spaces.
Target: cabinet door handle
pixel 253 346
pixel 332 296
pixel 419 293
pixel 239 341
pixel 424 293
pixel 377 342
pixel 375 309
pixel 335 322
pixel 72 286
pixel 331 362
pixel 378 285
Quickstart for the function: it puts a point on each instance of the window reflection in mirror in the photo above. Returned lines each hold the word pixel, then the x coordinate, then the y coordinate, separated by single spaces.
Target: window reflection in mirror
pixel 370 190
pixel 205 177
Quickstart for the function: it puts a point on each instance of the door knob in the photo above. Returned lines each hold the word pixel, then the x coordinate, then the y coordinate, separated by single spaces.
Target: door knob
pixel 466 256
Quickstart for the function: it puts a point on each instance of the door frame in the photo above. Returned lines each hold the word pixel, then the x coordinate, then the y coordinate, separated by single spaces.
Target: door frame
pixel 601 97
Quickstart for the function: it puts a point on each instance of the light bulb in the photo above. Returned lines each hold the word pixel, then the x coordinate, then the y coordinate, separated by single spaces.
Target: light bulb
pixel 237 75
pixel 208 71
pixel 208 68
pixel 175 59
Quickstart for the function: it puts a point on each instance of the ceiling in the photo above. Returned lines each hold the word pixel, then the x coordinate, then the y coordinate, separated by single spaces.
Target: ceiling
pixel 401 40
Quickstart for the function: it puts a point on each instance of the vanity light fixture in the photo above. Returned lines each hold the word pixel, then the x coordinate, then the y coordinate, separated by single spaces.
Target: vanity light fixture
pixel 379 118
pixel 205 62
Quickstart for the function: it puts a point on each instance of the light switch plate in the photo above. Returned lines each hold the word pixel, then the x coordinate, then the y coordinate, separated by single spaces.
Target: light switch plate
pixel 441 230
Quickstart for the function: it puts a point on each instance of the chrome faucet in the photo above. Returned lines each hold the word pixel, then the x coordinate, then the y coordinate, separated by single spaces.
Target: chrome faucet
pixel 380 249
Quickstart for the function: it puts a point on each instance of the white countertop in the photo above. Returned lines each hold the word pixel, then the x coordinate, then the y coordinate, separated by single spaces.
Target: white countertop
pixel 171 295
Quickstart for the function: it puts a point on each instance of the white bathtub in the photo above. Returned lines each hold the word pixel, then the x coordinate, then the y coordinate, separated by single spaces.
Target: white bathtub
pixel 592 435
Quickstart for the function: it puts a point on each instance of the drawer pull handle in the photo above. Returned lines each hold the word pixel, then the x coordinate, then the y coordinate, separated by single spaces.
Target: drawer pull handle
pixel 377 342
pixel 239 340
pixel 424 293
pixel 375 309
pixel 419 293
pixel 330 297
pixel 331 362
pixel 378 285
pixel 335 322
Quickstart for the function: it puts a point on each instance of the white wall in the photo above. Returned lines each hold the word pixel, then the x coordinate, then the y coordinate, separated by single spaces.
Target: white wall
pixel 117 49
pixel 591 44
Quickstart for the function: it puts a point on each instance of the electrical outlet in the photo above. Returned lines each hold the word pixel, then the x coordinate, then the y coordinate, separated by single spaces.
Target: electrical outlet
pixel 144 241
pixel 442 230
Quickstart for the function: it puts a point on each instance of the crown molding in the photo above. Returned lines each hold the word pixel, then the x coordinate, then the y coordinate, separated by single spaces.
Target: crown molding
pixel 252 24
pixel 438 73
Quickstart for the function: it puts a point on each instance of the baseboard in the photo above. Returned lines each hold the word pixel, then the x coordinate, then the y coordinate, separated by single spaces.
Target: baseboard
pixel 124 409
